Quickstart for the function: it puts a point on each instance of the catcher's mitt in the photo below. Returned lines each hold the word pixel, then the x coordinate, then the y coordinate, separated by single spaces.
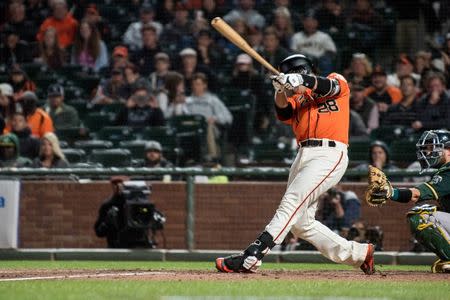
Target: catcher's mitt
pixel 379 189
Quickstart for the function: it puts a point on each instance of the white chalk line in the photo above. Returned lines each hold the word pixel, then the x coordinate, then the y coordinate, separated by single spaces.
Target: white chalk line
pixel 78 276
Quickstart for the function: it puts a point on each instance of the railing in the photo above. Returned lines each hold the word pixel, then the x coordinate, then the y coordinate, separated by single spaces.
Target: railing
pixel 188 175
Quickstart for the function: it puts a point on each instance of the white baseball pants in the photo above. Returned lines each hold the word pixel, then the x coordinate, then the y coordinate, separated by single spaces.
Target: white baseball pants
pixel 314 171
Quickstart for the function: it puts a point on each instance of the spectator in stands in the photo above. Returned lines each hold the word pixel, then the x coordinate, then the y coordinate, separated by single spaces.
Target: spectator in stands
pixel 404 66
pixel 282 24
pixel 89 50
pixel 365 107
pixel 28 145
pixel 62 20
pixel 165 11
pixel 38 120
pixel 50 154
pixel 20 82
pixel 409 30
pixel 383 94
pixel 433 109
pixel 141 110
pixel 404 113
pixel 204 103
pixel 357 231
pixel 37 10
pixel 157 79
pixel 17 22
pixel 331 17
pixel 133 36
pixel 242 29
pixel 365 22
pixel 63 115
pixel 338 209
pixel 93 16
pixel 190 66
pixel 255 38
pixel 7 103
pixel 272 51
pixel 178 32
pixel 378 157
pixel 133 78
pixel 360 70
pixel 119 58
pixel 245 10
pixel 174 86
pixel 50 53
pixel 374 235
pixel 422 64
pixel 315 43
pixel 208 53
pixel 10 152
pixel 14 50
pixel 154 157
pixel 357 126
pixel 144 56
pixel 113 89
pixel 212 9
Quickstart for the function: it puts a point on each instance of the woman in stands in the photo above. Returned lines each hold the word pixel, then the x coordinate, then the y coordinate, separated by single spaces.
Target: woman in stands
pixel 50 155
pixel 89 50
pixel 50 53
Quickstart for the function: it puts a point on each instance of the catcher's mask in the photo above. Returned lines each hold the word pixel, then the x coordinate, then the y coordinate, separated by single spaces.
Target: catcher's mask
pixel 430 148
pixel 297 63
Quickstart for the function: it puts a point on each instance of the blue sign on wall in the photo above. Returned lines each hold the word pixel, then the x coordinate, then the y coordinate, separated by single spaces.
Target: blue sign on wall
pixel 2 202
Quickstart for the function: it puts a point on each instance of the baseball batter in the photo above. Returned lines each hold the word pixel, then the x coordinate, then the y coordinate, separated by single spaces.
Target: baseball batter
pixel 430 225
pixel 317 109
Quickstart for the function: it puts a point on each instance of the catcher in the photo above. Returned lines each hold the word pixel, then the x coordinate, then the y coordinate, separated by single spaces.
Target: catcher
pixel 430 226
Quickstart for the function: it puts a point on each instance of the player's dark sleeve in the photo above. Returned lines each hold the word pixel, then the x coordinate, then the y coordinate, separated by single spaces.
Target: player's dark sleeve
pixel 436 188
pixel 101 228
pixel 284 113
pixel 326 87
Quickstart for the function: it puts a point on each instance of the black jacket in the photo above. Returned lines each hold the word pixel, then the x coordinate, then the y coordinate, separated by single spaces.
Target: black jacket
pixel 434 116
pixel 29 145
pixel 140 117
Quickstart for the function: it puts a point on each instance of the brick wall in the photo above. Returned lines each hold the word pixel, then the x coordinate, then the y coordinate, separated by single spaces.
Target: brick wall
pixel 61 214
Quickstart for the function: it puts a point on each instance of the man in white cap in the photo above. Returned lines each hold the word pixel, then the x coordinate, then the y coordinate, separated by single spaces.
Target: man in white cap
pixel 190 66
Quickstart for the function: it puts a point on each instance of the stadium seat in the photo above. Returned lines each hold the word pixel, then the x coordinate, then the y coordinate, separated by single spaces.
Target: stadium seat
pixel 111 157
pixel 136 148
pixel 403 152
pixel 272 152
pixel 72 134
pixel 190 131
pixel 156 133
pixel 74 156
pixel 97 120
pixel 358 151
pixel 90 145
pixel 116 134
pixel 387 133
pixel 80 105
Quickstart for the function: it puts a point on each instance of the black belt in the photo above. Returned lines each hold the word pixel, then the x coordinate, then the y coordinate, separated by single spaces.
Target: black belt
pixel 316 143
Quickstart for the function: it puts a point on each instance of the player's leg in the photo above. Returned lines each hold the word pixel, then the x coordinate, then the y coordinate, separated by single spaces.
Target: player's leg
pixel 432 229
pixel 250 259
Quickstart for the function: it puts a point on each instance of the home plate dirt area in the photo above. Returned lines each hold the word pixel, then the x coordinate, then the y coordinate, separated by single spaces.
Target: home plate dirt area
pixel 183 275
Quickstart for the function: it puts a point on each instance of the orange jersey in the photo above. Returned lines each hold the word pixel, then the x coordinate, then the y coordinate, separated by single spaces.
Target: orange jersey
pixel 326 117
pixel 394 92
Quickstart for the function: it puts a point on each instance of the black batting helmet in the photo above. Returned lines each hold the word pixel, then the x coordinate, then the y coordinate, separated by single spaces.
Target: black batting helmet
pixel 297 63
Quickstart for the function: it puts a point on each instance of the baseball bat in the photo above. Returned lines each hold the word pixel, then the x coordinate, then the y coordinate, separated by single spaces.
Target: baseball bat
pixel 234 37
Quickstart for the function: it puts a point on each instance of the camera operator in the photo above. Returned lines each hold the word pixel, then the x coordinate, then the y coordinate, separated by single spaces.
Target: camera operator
pixel 127 216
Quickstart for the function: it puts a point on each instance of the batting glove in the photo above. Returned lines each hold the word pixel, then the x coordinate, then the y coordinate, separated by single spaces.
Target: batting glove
pixel 278 82
pixel 251 263
pixel 293 81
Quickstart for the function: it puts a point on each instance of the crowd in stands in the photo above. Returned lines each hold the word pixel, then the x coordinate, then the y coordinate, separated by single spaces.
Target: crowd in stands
pixel 156 71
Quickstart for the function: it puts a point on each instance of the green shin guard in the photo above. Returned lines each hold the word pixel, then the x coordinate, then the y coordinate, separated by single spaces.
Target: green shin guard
pixel 429 234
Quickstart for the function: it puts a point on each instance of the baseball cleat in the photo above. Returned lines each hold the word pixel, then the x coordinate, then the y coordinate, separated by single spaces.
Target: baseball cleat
pixel 234 264
pixel 440 266
pixel 221 267
pixel 368 265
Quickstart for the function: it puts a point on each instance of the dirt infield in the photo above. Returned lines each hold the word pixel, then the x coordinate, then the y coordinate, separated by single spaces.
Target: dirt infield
pixel 183 275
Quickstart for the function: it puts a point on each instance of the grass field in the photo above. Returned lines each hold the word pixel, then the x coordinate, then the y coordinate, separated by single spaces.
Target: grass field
pixel 187 280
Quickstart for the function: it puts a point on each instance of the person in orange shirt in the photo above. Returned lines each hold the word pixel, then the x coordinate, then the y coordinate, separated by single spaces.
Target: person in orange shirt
pixel 383 94
pixel 317 109
pixel 65 25
pixel 38 120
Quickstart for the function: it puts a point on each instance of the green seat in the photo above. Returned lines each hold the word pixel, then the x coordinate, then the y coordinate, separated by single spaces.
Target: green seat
pixel 272 152
pixel 403 152
pixel 80 105
pixel 72 134
pixel 116 134
pixel 156 133
pixel 74 156
pixel 136 148
pixel 190 132
pixel 90 145
pixel 97 120
pixel 358 151
pixel 387 134
pixel 111 157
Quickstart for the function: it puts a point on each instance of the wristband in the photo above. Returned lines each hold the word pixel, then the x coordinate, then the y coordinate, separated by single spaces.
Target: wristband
pixel 401 195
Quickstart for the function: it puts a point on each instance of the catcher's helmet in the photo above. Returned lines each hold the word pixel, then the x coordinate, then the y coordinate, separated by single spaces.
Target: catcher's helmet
pixel 297 63
pixel 430 147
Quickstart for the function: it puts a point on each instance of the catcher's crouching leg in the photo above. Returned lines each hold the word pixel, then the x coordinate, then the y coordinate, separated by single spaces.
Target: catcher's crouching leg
pixel 429 232
pixel 250 259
